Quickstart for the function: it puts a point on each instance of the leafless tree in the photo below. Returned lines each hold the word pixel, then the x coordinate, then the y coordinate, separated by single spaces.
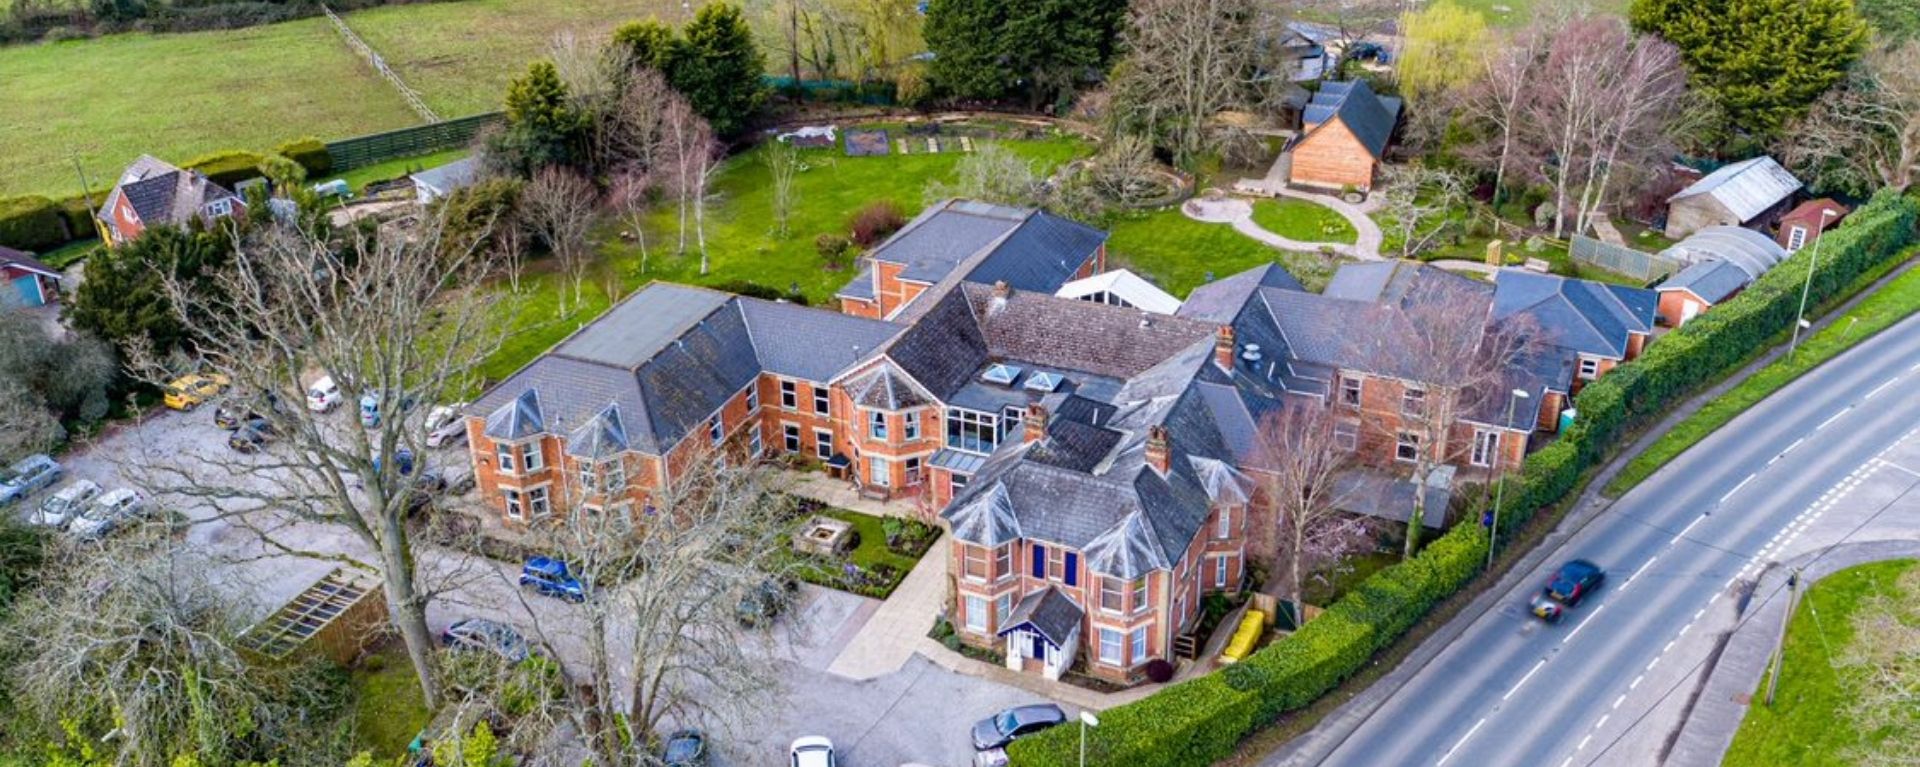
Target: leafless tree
pixel 1865 133
pixel 1124 170
pixel 993 173
pixel 393 318
pixel 558 205
pixel 1353 21
pixel 1188 60
pixel 1416 202
pixel 783 162
pixel 1439 341
pixel 593 72
pixel 688 157
pixel 629 130
pixel 660 623
pixel 26 425
pixel 1497 99
pixel 1298 455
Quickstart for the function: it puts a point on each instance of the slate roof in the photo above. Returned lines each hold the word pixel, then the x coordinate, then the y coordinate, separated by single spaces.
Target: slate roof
pixel 1042 253
pixel 943 235
pixel 517 419
pixel 1754 253
pixel 1713 280
pixel 1221 300
pixel 1746 188
pixel 18 260
pixel 162 194
pixel 881 389
pixel 1394 282
pixel 601 437
pixel 1026 248
pixel 1589 317
pixel 449 177
pixel 1369 116
pixel 1048 612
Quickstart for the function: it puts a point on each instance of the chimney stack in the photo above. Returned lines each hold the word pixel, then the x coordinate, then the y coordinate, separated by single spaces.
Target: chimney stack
pixel 1157 454
pixel 1223 348
pixel 1035 423
pixel 997 298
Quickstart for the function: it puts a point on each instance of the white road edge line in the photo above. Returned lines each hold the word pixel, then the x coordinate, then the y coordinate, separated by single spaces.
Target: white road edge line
pixel 1523 680
pixel 1463 741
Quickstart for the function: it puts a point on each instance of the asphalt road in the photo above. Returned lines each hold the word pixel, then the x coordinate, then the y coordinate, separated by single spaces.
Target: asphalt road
pixel 1512 690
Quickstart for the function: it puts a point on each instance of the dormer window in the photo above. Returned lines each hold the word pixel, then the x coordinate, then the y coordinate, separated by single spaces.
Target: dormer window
pixel 219 207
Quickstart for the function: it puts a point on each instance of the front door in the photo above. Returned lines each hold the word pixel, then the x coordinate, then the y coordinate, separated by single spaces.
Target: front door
pixel 1039 649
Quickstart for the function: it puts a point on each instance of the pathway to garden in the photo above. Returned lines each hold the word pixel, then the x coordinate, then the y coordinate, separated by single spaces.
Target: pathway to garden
pixel 1238 212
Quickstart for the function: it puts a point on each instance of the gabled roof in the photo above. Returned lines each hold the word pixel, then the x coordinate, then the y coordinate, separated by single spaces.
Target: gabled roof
pixel 1585 316
pixel 449 177
pixel 10 258
pixel 1370 117
pixel 881 389
pixel 1042 253
pixel 1048 612
pixel 1029 249
pixel 1221 300
pixel 162 194
pixel 1746 188
pixel 1126 286
pixel 943 235
pixel 1713 280
pixel 1394 282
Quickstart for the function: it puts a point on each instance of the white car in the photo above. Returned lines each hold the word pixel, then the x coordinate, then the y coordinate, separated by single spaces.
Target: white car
pixel 108 513
pixel 57 511
pixel 323 396
pixel 445 426
pixel 812 751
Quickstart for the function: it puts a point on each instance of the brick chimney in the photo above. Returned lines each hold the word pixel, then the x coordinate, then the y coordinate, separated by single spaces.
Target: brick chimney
pixel 1157 454
pixel 997 299
pixel 1035 423
pixel 1223 348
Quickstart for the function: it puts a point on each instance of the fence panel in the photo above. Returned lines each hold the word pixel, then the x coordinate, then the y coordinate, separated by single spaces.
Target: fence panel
pixel 1646 267
pixel 361 151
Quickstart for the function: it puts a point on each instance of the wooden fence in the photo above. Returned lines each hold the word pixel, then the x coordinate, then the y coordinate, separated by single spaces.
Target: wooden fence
pixel 361 151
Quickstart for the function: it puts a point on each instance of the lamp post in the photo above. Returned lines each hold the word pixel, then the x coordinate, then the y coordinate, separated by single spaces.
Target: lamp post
pixel 1500 479
pixel 1800 320
pixel 1087 719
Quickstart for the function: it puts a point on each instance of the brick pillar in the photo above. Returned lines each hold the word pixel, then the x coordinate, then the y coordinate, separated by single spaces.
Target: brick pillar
pixel 1157 453
pixel 1223 348
pixel 1035 423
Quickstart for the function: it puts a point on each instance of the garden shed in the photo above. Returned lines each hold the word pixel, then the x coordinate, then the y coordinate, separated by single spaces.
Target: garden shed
pixel 334 617
pixel 1750 193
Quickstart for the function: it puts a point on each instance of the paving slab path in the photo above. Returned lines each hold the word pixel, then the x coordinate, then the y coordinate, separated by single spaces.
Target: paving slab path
pixel 1238 213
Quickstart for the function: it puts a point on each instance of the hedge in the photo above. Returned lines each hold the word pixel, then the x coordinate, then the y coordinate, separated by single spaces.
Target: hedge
pixel 311 153
pixel 31 223
pixel 1201 720
pixel 228 167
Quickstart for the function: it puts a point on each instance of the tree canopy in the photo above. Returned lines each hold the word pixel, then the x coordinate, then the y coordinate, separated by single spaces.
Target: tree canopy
pixel 1762 62
pixel 1442 50
pixel 543 126
pixel 123 299
pixel 989 49
pixel 717 66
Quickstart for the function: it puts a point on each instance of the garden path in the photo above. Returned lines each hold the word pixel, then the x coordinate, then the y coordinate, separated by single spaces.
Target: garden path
pixel 1238 212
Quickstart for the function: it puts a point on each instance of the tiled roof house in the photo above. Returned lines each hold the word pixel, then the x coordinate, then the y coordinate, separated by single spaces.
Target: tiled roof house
pixel 1026 248
pixel 152 192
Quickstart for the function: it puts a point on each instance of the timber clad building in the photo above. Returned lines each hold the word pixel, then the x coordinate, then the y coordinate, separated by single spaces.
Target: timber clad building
pixel 1095 464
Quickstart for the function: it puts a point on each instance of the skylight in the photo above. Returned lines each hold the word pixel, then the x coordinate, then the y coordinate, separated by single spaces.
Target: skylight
pixel 1003 375
pixel 1044 382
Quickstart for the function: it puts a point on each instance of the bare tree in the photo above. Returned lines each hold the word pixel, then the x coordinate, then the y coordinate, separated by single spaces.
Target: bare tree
pixel 1298 455
pixel 993 173
pixel 629 132
pixel 393 319
pixel 660 622
pixel 783 162
pixel 1497 99
pixel 1188 60
pixel 688 157
pixel 1865 133
pixel 1453 362
pixel 559 206
pixel 1124 171
pixel 1416 203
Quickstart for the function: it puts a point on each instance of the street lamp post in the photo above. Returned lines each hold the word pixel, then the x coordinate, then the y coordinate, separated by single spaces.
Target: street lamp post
pixel 1087 719
pixel 1800 320
pixel 1500 479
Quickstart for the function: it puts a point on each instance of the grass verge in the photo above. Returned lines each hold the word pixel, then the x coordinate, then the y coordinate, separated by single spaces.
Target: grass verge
pixel 387 709
pixel 1893 302
pixel 1809 724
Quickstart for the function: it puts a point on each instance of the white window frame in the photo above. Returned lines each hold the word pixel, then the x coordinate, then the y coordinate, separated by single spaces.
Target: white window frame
pixel 613 475
pixel 1113 657
pixel 504 453
pixel 516 508
pixel 1796 238
pixel 1219 572
pixel 790 437
pixel 1002 607
pixel 756 442
pixel 753 396
pixel 877 425
pixel 531 458
pixel 910 425
pixel 1139 593
pixel 1486 447
pixel 789 395
pixel 914 470
pixel 1403 440
pixel 822 444
pixel 1137 644
pixel 976 614
pixel 969 556
pixel 1413 402
pixel 1003 562
pixel 589 477
pixel 1118 589
pixel 539 503
pixel 1346 435
pixel 1223 528
pixel 714 432
pixel 1350 390
pixel 879 471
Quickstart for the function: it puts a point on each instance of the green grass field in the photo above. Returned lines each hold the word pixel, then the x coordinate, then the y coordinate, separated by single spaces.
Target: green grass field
pixel 1808 725
pixel 1303 221
pixel 387 710
pixel 1177 253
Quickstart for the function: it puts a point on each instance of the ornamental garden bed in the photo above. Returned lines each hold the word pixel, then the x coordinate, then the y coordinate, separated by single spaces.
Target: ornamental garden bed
pixel 881 552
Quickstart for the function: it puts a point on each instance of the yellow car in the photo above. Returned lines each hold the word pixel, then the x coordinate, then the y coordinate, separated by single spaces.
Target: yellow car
pixel 188 391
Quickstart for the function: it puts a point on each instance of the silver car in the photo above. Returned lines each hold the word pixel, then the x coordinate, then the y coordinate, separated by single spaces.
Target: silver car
pixel 30 474
pixel 57 511
pixel 108 513
pixel 445 427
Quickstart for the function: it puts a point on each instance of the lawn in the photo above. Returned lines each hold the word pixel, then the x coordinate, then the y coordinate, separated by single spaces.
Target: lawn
pixel 358 178
pixel 1324 588
pixel 1180 254
pixel 877 561
pixel 1809 724
pixel 1890 304
pixel 387 709
pixel 1303 221
pixel 111 99
pixel 741 241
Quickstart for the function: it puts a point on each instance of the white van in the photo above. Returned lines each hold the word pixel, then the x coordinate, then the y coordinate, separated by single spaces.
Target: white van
pixel 323 396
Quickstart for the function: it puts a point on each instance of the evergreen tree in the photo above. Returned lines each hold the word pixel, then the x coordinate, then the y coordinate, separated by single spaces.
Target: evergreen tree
pixel 718 67
pixel 969 58
pixel 986 49
pixel 1763 62
pixel 122 297
pixel 645 43
pixel 543 127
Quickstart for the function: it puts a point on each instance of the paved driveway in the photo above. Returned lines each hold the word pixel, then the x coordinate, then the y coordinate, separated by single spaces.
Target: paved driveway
pixel 920 713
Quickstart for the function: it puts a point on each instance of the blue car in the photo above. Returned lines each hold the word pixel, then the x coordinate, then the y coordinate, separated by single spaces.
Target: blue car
pixel 550 576
pixel 402 458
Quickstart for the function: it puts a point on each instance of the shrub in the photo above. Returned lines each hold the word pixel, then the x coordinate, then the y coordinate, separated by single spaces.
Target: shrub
pixel 311 153
pixel 911 88
pixel 874 222
pixel 228 167
pixel 31 223
pixel 79 215
pixel 836 250
pixel 757 290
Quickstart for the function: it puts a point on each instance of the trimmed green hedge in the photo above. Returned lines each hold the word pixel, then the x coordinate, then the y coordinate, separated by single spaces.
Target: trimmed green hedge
pixel 1201 720
pixel 311 153
pixel 31 223
pixel 228 167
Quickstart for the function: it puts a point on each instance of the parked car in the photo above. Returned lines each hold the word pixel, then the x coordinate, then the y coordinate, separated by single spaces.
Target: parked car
pixel 445 427
pixel 66 504
pixel 550 576
pixel 247 439
pixel 108 513
pixel 483 634
pixel 26 476
pixel 230 416
pixel 685 748
pixel 811 751
pixel 189 391
pixel 997 731
pixel 449 480
pixel 765 601
pixel 324 395
pixel 402 459
pixel 370 410
pixel 1566 588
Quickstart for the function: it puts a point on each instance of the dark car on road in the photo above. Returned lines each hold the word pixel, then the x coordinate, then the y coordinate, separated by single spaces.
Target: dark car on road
pixel 247 439
pixel 482 634
pixel 550 576
pixel 1012 724
pixel 1568 586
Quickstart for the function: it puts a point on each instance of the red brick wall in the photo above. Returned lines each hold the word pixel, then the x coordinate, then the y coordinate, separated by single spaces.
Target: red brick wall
pixel 1673 303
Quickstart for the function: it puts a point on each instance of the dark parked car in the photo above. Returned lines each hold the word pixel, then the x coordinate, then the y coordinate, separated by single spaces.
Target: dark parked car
pixel 247 439
pixel 1568 586
pixel 402 458
pixel 1012 724
pixel 550 576
pixel 685 748
pixel 765 601
pixel 482 634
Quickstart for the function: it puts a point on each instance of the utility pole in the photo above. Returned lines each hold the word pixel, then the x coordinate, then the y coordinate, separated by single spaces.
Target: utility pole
pixel 86 189
pixel 1800 320
pixel 1779 648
